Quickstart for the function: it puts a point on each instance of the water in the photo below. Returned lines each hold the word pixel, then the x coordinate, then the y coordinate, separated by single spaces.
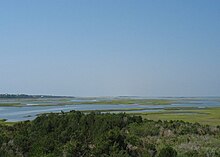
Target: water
pixel 30 111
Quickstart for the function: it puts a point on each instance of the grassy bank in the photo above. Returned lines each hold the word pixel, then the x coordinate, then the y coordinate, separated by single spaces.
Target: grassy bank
pixel 208 116
pixel 125 101
pixel 10 104
pixel 3 121
pixel 59 102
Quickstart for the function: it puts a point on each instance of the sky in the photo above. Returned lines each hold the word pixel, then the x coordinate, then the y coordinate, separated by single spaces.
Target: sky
pixel 110 47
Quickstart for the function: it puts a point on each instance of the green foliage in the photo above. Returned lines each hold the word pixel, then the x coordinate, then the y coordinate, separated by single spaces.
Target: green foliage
pixel 168 152
pixel 193 153
pixel 76 134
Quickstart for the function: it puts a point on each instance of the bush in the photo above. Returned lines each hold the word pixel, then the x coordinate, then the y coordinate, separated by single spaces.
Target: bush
pixel 168 152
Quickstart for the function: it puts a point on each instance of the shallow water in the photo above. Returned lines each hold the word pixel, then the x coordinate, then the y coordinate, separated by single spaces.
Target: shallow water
pixel 30 111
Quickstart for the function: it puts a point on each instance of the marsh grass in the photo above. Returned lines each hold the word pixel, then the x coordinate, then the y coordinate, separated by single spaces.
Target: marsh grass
pixel 210 116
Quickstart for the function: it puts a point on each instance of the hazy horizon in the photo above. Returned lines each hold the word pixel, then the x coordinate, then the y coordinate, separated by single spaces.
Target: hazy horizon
pixel 99 96
pixel 110 48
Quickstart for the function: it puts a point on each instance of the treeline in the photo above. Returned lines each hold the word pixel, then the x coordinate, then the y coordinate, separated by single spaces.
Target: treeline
pixel 76 134
pixel 19 96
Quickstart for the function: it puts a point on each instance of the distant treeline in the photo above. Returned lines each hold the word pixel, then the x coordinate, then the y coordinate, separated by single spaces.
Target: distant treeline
pixel 12 96
pixel 76 134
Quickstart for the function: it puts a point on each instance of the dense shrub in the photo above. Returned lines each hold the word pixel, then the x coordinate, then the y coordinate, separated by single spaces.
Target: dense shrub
pixel 76 134
pixel 168 152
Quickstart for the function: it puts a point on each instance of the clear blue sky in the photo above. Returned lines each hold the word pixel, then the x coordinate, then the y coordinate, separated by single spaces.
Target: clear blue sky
pixel 110 47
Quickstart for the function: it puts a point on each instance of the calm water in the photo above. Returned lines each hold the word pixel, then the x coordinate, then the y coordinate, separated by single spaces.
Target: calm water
pixel 30 111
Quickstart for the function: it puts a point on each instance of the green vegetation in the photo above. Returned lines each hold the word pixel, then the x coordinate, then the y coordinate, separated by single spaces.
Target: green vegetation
pixel 10 104
pixel 22 100
pixel 167 151
pixel 210 116
pixel 4 122
pixel 75 134
pixel 132 101
pixel 122 101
